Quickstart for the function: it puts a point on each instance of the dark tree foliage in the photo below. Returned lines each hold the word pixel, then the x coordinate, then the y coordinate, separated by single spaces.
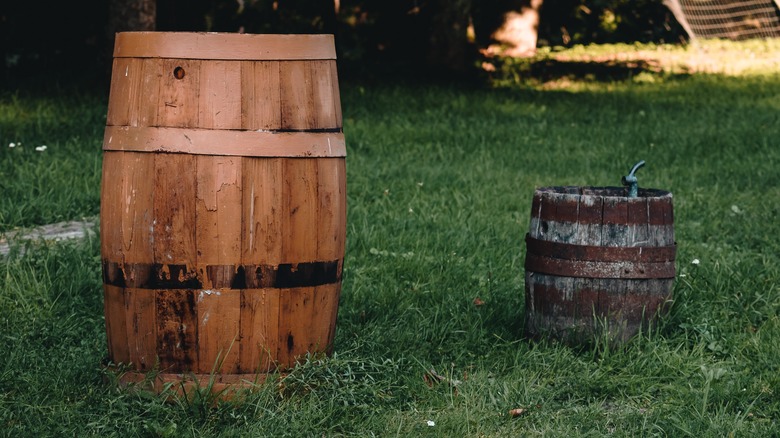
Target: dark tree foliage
pixel 417 34
pixel 413 35
pixel 568 22
pixel 487 16
pixel 43 36
pixel 184 15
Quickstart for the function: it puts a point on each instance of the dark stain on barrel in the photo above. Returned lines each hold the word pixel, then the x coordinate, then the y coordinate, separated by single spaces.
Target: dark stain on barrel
pixel 177 329
pixel 172 276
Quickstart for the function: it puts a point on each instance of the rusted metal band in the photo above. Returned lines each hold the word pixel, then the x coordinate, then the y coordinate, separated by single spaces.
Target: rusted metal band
pixel 223 46
pixel 322 143
pixel 568 251
pixel 582 261
pixel 589 269
pixel 171 276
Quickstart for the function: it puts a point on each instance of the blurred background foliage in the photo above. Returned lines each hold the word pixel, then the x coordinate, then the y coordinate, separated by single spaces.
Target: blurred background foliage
pixel 371 35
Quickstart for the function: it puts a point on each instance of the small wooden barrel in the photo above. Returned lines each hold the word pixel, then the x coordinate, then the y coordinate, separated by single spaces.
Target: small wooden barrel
pixel 597 262
pixel 223 206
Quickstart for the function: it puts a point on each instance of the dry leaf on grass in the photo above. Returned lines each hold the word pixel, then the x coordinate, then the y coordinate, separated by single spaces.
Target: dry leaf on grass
pixel 516 412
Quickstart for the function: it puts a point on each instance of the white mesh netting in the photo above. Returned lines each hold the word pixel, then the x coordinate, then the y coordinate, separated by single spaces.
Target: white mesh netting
pixel 732 19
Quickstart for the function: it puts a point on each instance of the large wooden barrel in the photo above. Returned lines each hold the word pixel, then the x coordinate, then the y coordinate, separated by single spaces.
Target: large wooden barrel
pixel 223 206
pixel 598 263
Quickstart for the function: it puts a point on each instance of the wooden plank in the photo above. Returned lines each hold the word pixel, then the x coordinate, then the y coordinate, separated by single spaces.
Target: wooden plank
pixel 297 334
pixel 111 206
pixel 334 82
pixel 613 231
pixel 261 103
pixel 296 97
pixel 589 220
pixel 116 324
pixel 560 301
pixel 178 101
pixel 325 315
pixel 177 330
pixel 174 210
pixel 322 98
pixel 220 95
pixel 263 200
pixel 259 330
pixel 565 227
pixel 300 229
pixel 218 330
pixel 638 223
pixel 331 209
pixel 661 214
pixel 612 306
pixel 137 207
pixel 587 299
pixel 535 224
pixel 126 209
pixel 149 98
pixel 262 205
pixel 124 92
pixel 218 219
pixel 141 314
pixel 341 171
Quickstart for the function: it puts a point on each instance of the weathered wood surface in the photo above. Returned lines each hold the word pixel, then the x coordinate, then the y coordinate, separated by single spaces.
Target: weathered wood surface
pixel 222 257
pixel 595 258
pixel 60 231
pixel 221 46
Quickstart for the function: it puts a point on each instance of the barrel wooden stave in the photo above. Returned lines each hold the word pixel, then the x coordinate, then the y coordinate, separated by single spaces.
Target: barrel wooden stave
pixel 577 306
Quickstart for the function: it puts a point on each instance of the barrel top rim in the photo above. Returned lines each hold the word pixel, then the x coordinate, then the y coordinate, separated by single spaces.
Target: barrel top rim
pixel 602 192
pixel 224 46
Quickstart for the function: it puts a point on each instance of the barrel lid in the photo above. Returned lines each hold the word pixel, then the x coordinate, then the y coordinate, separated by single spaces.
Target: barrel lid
pixel 223 46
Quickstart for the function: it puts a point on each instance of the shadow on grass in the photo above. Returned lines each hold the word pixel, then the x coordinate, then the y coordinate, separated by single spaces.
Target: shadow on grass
pixel 602 71
pixel 546 70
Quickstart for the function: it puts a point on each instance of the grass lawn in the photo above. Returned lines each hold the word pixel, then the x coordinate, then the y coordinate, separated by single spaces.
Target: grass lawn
pixel 440 179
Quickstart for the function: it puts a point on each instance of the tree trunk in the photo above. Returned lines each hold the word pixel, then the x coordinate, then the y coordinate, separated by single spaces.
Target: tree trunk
pixel 127 15
pixel 512 26
pixel 448 46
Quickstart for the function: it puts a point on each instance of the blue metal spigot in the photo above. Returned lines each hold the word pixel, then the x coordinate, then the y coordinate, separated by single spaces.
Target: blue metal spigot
pixel 631 181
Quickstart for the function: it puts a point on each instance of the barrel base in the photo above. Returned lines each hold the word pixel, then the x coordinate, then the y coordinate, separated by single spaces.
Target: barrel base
pixel 217 386
pixel 613 330
pixel 578 311
pixel 599 331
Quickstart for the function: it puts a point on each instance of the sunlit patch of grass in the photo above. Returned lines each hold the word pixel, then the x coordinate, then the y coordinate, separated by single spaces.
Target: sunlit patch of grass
pixel 579 67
